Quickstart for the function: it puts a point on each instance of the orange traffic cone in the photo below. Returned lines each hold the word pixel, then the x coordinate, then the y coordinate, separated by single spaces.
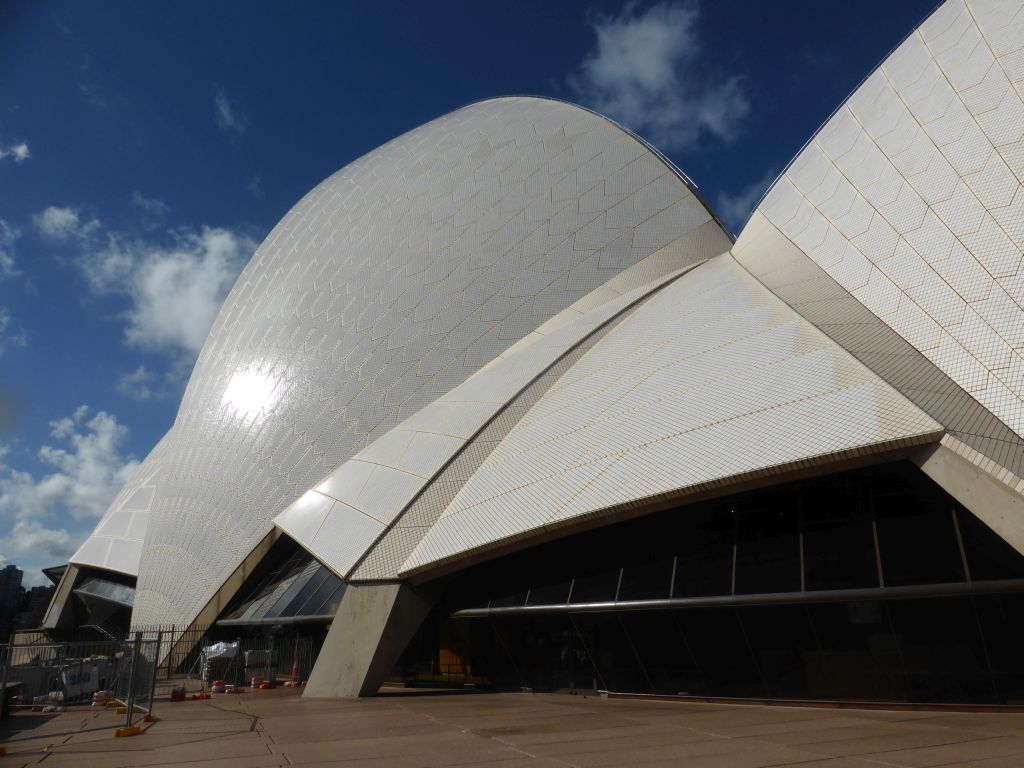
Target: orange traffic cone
pixel 295 670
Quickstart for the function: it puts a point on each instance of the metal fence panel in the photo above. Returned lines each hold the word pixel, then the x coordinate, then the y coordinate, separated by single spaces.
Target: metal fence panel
pixel 137 689
pixel 42 675
pixel 147 666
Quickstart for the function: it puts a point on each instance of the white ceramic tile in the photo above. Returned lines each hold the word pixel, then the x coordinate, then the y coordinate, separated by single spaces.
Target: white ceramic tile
pixel 708 379
pixel 384 288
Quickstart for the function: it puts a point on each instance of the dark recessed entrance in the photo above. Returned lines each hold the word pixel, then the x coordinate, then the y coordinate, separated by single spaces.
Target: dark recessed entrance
pixel 868 585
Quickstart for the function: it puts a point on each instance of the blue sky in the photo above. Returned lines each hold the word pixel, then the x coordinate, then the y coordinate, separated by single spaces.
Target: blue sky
pixel 146 149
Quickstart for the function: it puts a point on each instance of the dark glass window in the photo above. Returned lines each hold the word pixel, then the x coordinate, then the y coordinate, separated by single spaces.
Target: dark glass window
pixel 595 586
pixel 859 657
pixel 941 649
pixel 612 652
pixel 785 649
pixel 1002 622
pixel 509 601
pixel 550 594
pixel 768 551
pixel 541 649
pixel 953 648
pixel 299 593
pixel 494 651
pixel 916 540
pixel 290 582
pixel 661 647
pixel 650 580
pixel 988 556
pixel 839 547
pixel 330 602
pixel 721 652
pixel 485 654
pixel 105 589
pixel 704 563
pixel 264 586
pixel 317 602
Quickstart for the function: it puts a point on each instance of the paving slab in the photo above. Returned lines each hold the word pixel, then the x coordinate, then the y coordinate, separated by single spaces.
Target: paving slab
pixel 268 729
pixel 882 746
pixel 722 750
pixel 638 732
pixel 597 743
pixel 1013 761
pixel 953 754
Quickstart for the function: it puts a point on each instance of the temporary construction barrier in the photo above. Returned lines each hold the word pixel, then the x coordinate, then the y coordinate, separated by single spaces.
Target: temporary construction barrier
pixel 137 689
pixel 147 665
pixel 42 674
pixel 218 660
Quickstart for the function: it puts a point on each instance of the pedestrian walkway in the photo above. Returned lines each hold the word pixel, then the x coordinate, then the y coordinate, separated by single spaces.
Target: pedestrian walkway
pixel 408 729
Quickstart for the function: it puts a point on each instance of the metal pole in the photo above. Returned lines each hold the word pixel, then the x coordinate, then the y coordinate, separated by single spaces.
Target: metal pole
pixel 170 654
pixel 156 659
pixel 131 677
pixel 270 661
pixel 62 663
pixel 3 680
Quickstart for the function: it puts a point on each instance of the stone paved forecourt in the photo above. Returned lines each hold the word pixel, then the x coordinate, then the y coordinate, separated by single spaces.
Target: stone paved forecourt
pixel 274 729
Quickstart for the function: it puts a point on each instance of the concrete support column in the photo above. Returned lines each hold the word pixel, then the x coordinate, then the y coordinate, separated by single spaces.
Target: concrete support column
pixel 374 624
pixel 994 502
pixel 60 613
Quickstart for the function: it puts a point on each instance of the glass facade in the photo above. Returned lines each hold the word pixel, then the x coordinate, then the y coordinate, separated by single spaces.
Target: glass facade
pixel 871 585
pixel 104 600
pixel 290 585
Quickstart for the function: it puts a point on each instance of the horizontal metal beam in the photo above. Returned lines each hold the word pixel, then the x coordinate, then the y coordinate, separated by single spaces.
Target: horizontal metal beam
pixel 952 589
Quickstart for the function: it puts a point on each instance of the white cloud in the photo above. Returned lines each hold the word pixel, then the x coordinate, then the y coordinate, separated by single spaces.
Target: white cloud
pixel 229 119
pixel 31 539
pixel 8 234
pixel 174 287
pixel 10 408
pixel 9 334
pixel 735 208
pixel 151 205
pixel 7 268
pixel 141 384
pixel 87 469
pixel 649 72
pixel 18 152
pixel 60 224
pixel 62 22
pixel 107 264
pixel 152 210
pixel 176 290
pixel 92 95
pixel 90 469
pixel 255 186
